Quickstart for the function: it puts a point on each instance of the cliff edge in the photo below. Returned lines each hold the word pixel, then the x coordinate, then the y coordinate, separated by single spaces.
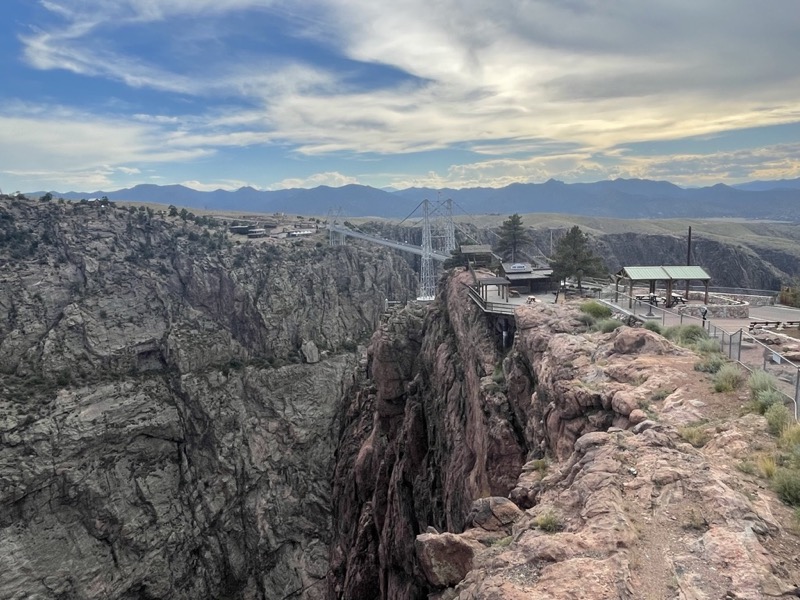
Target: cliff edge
pixel 559 468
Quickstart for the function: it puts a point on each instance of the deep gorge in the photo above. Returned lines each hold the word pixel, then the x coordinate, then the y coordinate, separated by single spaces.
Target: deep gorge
pixel 185 417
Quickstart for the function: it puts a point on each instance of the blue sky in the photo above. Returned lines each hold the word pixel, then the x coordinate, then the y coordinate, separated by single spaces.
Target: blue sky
pixel 105 94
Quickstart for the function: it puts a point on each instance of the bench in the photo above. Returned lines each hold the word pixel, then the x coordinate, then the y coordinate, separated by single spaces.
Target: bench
pixel 769 324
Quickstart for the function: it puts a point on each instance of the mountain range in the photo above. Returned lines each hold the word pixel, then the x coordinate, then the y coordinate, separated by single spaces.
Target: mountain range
pixel 618 198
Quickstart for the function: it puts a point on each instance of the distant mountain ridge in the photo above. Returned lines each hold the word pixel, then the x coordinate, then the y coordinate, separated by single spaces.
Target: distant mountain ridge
pixel 618 198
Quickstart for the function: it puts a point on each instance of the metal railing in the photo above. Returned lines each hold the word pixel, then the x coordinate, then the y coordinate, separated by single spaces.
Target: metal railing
pixel 739 345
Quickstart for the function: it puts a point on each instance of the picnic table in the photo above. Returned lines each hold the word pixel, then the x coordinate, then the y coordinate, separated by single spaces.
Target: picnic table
pixel 651 298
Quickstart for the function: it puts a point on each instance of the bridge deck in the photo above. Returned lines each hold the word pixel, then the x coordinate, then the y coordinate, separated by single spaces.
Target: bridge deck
pixel 441 257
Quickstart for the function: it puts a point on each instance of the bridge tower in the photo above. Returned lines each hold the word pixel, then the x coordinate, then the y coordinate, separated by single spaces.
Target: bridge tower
pixel 449 227
pixel 335 237
pixel 427 275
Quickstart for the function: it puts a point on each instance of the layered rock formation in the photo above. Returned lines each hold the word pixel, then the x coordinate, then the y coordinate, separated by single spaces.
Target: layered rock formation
pixel 554 469
pixel 169 403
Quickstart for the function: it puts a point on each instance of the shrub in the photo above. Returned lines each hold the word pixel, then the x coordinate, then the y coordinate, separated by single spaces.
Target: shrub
pixel 696 435
pixel 766 465
pixel 710 364
pixel 746 467
pixel 653 326
pixel 540 465
pixel 786 484
pixel 790 436
pixel 586 319
pixel 764 400
pixel 728 378
pixel 595 309
pixel 549 521
pixel 685 335
pixel 498 376
pixel 607 325
pixel 761 381
pixel 778 418
pixel 707 346
pixel 660 394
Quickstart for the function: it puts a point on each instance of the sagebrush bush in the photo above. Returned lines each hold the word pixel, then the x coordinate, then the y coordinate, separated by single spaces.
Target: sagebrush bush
pixel 710 364
pixel 786 483
pixel 728 378
pixel 707 346
pixel 790 436
pixel 595 309
pixel 696 435
pixel 549 521
pixel 765 399
pixel 778 418
pixel 761 381
pixel 607 325
pixel 685 335
pixel 586 319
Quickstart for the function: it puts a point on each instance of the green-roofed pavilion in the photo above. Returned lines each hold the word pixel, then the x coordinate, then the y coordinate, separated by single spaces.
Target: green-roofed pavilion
pixel 668 274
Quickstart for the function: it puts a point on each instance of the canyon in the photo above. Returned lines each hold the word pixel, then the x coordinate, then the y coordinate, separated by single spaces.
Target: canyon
pixel 182 416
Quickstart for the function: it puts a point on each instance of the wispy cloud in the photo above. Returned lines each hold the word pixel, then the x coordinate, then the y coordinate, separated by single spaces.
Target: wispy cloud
pixel 534 88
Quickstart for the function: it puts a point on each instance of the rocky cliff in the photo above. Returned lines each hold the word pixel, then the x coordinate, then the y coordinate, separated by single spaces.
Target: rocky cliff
pixel 169 402
pixel 558 468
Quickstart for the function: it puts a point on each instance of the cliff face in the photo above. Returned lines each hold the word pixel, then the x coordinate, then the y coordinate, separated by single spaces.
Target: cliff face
pixel 556 468
pixel 169 403
pixel 428 433
pixel 729 265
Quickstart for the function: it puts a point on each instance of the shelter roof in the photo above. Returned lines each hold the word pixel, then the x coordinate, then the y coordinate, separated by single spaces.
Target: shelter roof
pixel 687 272
pixel 676 272
pixel 537 274
pixel 493 281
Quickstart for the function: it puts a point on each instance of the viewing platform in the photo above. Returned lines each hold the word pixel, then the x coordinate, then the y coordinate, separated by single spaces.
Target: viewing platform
pixel 493 295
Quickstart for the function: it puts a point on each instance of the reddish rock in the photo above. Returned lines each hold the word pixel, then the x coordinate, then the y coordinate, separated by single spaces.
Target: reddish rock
pixel 445 558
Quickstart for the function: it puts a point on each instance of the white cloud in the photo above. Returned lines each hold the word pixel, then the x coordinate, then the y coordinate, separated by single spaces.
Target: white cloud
pixel 224 184
pixel 331 179
pixel 565 82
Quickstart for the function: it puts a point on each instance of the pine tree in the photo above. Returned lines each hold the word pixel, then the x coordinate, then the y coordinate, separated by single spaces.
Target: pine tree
pixel 572 257
pixel 512 237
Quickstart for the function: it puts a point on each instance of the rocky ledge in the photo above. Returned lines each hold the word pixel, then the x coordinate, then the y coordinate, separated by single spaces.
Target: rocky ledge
pixel 557 469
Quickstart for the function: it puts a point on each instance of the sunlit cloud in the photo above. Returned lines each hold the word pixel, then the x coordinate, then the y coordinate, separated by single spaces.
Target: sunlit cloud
pixel 330 179
pixel 531 89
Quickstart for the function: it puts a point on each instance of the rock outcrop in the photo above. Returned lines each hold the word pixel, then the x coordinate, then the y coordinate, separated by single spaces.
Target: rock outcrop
pixel 169 403
pixel 553 469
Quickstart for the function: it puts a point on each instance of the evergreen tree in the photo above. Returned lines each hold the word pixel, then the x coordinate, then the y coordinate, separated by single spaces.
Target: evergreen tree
pixel 512 237
pixel 572 257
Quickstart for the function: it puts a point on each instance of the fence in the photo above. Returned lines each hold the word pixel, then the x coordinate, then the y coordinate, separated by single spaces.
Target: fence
pixel 739 346
pixel 757 355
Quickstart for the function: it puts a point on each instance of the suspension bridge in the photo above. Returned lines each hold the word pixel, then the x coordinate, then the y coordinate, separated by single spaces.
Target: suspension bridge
pixel 438 229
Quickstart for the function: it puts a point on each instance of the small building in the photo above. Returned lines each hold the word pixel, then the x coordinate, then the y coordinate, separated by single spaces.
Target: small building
pixel 257 232
pixel 477 255
pixel 300 233
pixel 537 279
